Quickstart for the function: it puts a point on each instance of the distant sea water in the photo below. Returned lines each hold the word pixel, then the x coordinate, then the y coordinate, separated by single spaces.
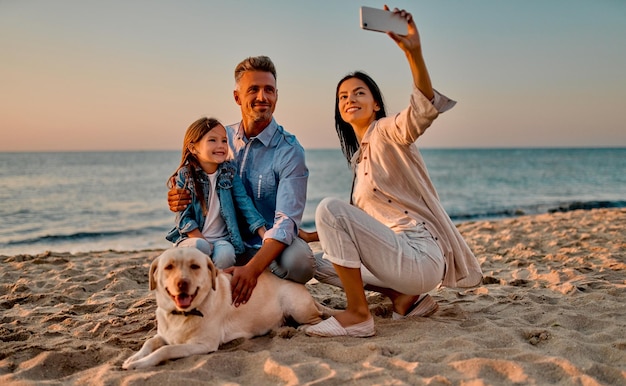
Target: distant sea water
pixel 94 201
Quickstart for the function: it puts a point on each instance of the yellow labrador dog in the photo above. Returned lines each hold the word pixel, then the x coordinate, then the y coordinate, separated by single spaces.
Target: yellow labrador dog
pixel 195 312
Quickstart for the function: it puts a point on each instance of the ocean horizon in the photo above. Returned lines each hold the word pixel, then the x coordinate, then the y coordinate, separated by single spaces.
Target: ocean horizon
pixel 80 201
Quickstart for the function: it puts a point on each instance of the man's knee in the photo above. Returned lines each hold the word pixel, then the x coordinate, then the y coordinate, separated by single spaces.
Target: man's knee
pixel 325 272
pixel 298 262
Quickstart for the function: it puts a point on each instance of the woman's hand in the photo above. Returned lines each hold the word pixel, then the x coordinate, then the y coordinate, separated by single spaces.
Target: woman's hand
pixel 410 41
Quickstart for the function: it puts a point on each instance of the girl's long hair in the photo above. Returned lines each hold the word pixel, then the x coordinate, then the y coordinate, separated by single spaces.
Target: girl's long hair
pixel 194 133
pixel 345 132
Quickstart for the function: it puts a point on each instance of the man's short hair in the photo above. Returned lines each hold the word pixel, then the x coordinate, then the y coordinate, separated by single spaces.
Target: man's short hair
pixel 255 63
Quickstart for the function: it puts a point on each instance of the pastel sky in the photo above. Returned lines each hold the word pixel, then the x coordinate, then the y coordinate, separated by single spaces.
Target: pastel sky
pixel 132 75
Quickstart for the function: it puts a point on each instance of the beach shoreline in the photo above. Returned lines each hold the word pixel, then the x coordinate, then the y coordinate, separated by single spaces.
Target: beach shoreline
pixel 550 310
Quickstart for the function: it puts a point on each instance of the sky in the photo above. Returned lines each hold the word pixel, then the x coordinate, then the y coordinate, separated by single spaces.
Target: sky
pixel 130 75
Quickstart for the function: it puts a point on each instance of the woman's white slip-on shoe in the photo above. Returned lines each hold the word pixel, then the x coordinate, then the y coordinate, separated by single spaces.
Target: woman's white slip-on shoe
pixel 331 327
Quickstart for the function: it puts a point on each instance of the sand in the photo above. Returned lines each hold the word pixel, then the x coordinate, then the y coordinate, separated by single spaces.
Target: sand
pixel 552 310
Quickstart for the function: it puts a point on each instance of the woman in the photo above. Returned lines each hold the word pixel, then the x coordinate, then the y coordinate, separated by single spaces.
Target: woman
pixel 395 237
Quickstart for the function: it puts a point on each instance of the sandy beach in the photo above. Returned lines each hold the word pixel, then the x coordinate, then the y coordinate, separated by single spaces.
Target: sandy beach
pixel 551 310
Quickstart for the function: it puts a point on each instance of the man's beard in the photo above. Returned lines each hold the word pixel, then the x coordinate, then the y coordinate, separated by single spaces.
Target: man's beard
pixel 262 116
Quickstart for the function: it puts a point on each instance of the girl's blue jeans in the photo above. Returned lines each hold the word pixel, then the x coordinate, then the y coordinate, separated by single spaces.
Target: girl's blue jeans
pixel 221 251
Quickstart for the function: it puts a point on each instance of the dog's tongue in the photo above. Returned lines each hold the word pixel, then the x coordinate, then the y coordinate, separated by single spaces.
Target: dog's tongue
pixel 183 300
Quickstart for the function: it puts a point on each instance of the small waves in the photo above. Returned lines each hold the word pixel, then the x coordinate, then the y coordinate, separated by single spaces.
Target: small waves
pixel 458 217
pixel 96 201
pixel 82 236
pixel 536 209
pixel 146 238
pixel 577 205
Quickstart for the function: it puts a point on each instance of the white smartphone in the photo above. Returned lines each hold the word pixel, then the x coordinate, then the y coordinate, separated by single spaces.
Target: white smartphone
pixel 376 19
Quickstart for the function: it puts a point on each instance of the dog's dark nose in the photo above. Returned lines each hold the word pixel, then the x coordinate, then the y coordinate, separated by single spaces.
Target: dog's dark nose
pixel 183 286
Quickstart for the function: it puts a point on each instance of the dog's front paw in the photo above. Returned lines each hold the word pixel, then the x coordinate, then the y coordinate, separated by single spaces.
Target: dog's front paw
pixel 134 365
pixel 130 363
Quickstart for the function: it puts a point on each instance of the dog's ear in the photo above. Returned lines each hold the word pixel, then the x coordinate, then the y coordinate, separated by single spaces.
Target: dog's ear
pixel 153 268
pixel 212 272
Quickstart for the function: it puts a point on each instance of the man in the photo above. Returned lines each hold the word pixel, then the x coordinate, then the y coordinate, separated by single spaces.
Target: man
pixel 272 167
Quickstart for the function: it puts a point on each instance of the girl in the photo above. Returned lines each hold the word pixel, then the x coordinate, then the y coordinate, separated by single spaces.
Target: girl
pixel 396 237
pixel 209 223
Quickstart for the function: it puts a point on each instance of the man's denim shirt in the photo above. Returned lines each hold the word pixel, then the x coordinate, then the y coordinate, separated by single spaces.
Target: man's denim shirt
pixel 230 191
pixel 273 170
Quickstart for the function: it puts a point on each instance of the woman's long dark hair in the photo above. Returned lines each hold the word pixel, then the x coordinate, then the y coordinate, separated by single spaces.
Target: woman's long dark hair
pixel 345 132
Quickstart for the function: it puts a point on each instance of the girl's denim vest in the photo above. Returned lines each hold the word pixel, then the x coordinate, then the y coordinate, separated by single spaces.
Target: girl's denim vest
pixel 232 194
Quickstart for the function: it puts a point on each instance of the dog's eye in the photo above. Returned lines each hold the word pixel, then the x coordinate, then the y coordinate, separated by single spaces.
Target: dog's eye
pixel 195 266
pixel 169 267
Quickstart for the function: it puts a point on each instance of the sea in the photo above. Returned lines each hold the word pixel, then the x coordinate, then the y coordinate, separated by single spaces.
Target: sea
pixel 99 201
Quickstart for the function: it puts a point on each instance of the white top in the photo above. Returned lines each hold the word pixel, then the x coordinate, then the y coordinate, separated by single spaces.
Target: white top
pixel 214 226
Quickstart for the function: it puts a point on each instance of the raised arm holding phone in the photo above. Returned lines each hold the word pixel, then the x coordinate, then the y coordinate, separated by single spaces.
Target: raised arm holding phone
pixel 395 236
